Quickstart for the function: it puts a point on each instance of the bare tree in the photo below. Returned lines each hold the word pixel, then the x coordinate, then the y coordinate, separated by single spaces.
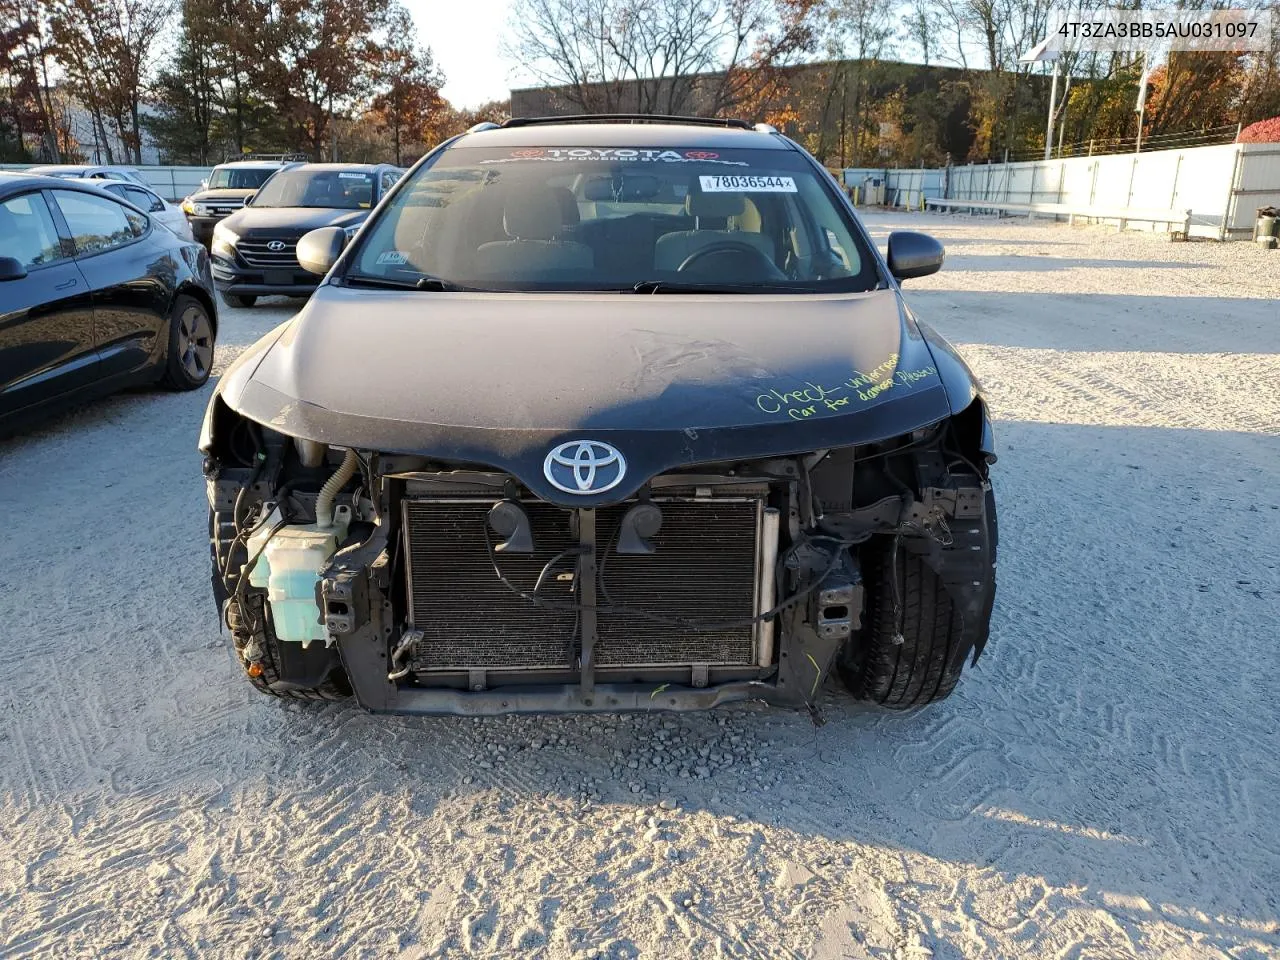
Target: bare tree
pixel 105 48
pixel 922 24
pixel 26 51
pixel 655 56
pixel 859 34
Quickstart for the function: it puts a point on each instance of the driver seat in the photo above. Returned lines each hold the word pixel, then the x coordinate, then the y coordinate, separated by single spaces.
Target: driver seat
pixel 672 249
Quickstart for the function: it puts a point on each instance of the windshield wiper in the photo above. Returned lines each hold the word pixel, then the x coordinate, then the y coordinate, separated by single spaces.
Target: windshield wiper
pixel 682 286
pixel 431 284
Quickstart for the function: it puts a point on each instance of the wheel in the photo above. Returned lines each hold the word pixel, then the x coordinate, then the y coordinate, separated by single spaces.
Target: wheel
pixel 263 672
pixel 255 650
pixel 190 355
pixel 925 663
pixel 238 300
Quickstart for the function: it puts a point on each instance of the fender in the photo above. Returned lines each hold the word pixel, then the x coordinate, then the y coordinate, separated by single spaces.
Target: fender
pixel 959 382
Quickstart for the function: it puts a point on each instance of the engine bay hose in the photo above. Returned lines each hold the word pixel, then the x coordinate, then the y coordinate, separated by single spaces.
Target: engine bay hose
pixel 324 500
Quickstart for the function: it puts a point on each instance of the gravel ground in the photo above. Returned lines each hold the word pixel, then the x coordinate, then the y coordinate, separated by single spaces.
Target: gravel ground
pixel 1104 784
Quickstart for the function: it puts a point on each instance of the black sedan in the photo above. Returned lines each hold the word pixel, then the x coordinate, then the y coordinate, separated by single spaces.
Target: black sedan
pixel 94 296
pixel 254 249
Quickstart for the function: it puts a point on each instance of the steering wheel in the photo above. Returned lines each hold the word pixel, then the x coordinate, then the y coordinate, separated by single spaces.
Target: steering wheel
pixel 735 250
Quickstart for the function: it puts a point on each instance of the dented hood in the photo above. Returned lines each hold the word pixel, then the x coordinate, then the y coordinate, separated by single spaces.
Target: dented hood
pixel 670 380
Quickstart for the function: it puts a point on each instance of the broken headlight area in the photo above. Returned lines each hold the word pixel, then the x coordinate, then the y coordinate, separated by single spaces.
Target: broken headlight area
pixel 430 587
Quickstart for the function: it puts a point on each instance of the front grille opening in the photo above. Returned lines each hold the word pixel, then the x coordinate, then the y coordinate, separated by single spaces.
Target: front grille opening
pixel 703 570
pixel 257 253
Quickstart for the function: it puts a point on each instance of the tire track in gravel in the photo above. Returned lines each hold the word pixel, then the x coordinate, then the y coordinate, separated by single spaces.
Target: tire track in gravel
pixel 1146 395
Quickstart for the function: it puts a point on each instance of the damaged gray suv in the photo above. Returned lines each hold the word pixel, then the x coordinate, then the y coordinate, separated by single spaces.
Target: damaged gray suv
pixel 601 414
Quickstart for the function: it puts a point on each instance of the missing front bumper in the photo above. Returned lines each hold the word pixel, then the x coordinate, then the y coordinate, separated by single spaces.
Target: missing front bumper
pixel 571 698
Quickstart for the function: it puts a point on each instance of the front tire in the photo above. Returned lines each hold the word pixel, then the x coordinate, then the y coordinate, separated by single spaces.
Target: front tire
pixel 238 300
pixel 262 668
pixel 922 663
pixel 191 340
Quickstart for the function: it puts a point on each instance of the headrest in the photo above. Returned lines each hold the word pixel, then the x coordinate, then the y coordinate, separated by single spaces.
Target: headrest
pixel 699 204
pixel 569 215
pixel 532 215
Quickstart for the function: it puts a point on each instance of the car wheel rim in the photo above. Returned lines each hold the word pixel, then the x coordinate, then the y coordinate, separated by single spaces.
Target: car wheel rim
pixel 195 341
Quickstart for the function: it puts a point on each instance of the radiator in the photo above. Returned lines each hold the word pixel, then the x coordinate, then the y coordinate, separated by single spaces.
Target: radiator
pixel 704 569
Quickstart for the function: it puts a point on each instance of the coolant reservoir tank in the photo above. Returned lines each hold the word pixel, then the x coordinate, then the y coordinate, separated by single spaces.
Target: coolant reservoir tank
pixel 289 568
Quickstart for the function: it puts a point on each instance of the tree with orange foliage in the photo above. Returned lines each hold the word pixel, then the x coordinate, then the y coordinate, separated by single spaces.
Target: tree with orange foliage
pixel 407 104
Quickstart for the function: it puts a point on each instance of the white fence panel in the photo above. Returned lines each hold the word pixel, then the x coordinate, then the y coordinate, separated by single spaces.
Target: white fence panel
pixel 1077 180
pixel 171 182
pixel 1257 184
pixel 1113 180
pixel 1221 185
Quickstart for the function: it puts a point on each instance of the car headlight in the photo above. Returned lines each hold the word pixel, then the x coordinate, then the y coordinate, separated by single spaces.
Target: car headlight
pixel 201 210
pixel 225 240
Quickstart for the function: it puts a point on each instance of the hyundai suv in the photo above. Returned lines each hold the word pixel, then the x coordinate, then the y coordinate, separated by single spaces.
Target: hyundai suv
pixel 598 415
pixel 253 249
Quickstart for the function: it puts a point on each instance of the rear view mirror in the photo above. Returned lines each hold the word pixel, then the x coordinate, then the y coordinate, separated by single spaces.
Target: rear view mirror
pixel 319 250
pixel 248 201
pixel 11 269
pixel 914 255
pixel 635 188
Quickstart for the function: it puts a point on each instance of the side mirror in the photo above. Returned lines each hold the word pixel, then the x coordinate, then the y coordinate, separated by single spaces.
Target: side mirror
pixel 248 200
pixel 204 184
pixel 11 269
pixel 914 255
pixel 319 250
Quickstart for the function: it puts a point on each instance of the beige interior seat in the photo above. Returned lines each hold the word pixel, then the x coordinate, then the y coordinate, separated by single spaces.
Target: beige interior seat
pixel 709 210
pixel 534 222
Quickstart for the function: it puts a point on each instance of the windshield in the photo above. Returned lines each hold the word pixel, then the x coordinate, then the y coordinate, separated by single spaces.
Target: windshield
pixel 331 189
pixel 239 178
pixel 650 220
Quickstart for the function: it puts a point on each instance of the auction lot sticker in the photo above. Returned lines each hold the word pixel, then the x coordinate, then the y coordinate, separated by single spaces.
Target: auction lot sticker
pixel 741 184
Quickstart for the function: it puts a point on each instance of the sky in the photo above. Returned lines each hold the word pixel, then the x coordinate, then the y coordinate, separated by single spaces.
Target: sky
pixel 464 37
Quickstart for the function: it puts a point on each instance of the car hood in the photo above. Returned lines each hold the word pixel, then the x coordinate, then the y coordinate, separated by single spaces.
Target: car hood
pixel 670 380
pixel 225 193
pixel 290 221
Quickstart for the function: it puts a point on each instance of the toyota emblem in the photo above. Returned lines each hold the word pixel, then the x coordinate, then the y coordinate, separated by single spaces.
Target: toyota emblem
pixel 275 246
pixel 584 467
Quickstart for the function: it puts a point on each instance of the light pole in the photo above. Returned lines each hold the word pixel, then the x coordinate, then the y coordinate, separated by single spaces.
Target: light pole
pixel 1041 53
pixel 1141 108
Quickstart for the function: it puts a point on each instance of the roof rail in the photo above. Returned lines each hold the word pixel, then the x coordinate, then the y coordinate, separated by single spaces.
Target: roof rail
pixel 484 125
pixel 629 118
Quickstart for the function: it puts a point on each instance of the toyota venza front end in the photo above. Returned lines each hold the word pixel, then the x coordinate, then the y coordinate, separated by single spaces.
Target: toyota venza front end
pixel 604 416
